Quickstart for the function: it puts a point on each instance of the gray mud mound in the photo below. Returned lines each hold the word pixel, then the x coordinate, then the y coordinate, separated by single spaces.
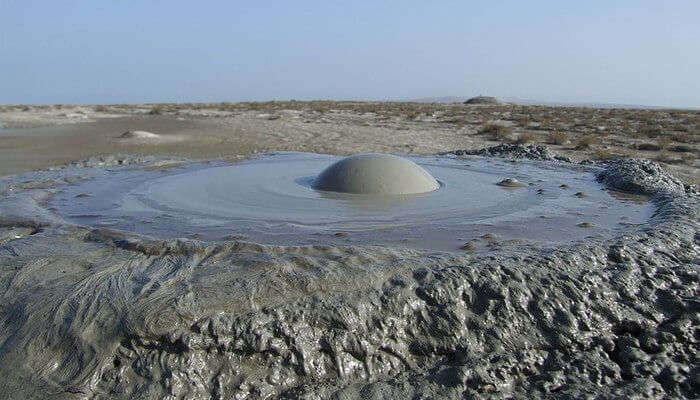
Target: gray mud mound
pixel 93 313
pixel 375 173
pixel 139 135
pixel 516 151
pixel 488 100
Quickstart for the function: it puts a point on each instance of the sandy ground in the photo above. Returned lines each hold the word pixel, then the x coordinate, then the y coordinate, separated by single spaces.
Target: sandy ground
pixel 39 137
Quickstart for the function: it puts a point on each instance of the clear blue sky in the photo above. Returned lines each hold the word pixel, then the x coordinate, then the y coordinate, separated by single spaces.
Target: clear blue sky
pixel 118 51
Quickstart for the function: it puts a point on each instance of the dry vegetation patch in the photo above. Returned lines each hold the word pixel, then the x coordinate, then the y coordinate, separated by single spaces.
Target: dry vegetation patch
pixel 497 132
pixel 557 138
pixel 525 138
pixel 591 132
pixel 686 137
pixel 523 122
pixel 585 142
pixel 157 110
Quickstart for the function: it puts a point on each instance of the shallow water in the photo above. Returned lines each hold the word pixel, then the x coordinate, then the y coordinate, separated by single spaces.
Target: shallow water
pixel 270 200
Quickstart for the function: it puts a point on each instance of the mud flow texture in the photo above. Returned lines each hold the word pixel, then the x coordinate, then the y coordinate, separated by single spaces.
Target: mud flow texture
pixel 91 312
pixel 271 199
pixel 375 173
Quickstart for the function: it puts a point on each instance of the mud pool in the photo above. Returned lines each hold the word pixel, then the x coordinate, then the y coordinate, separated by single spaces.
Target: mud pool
pixel 271 199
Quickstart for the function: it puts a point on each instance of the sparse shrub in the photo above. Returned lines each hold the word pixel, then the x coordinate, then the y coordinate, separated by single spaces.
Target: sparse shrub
pixel 685 138
pixel 647 116
pixel 525 138
pixel 557 137
pixel 650 131
pixel 679 128
pixel 603 154
pixel 453 119
pixel 688 158
pixel 607 154
pixel 157 110
pixel 523 122
pixel 663 141
pixel 497 132
pixel 25 108
pixel 412 115
pixel 491 127
pixel 585 143
pixel 225 106
pixel 664 157
pixel 101 109
pixel 648 147
pixel 633 133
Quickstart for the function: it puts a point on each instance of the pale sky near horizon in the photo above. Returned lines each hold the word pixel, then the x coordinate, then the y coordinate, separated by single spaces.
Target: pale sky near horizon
pixel 102 52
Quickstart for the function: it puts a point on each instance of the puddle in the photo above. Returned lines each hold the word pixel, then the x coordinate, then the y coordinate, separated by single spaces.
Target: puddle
pixel 270 200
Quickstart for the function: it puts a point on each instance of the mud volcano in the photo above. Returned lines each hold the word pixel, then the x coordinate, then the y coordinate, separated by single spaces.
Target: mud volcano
pixel 295 292
pixel 375 174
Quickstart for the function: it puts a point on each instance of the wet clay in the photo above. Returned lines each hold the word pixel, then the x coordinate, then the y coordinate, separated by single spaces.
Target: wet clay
pixel 89 312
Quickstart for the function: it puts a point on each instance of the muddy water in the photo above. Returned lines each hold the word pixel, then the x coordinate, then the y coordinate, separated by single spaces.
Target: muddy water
pixel 270 200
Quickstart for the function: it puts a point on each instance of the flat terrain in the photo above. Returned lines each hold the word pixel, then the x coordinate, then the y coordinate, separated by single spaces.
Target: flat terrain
pixel 42 136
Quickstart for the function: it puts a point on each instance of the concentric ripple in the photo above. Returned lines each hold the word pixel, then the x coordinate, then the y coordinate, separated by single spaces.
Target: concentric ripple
pixel 270 199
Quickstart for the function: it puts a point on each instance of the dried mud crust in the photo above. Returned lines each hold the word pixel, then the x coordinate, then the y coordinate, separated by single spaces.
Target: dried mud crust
pixel 99 314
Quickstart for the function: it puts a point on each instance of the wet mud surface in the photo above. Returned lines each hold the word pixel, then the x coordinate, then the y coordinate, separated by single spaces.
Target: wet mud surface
pixel 271 200
pixel 92 312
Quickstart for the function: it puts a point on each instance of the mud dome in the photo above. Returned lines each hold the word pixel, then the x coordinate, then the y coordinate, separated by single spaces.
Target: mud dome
pixel 95 313
pixel 272 199
pixel 374 173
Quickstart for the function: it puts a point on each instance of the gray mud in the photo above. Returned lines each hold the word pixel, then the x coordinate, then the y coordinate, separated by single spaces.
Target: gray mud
pixel 97 313
pixel 270 200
